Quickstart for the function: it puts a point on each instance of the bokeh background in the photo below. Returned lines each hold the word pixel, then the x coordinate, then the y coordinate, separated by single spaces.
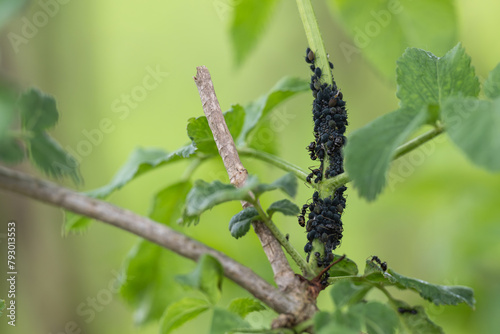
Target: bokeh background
pixel 439 220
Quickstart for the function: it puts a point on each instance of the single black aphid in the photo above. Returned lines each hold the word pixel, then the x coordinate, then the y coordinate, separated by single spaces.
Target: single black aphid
pixel 404 310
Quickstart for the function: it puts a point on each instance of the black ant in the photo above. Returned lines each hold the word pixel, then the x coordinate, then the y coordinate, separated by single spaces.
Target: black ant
pixel 404 310
pixel 383 265
pixel 302 221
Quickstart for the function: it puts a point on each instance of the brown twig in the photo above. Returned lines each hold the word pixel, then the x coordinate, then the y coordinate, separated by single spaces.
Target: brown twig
pixel 162 235
pixel 283 274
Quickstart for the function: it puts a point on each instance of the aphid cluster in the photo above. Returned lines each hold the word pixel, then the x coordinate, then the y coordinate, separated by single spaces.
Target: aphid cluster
pixel 330 120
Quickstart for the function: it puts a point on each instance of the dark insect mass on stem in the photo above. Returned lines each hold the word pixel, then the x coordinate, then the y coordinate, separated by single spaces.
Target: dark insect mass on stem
pixel 330 120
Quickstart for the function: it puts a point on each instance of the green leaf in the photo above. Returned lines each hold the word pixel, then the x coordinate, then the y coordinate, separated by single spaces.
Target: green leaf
pixel 378 318
pixel 347 293
pixel 426 80
pixel 369 150
pixel 381 30
pixel 240 222
pixel 141 160
pixel 149 286
pixel 244 306
pixel 11 151
pixel 336 323
pixel 7 110
pixel 8 8
pixel 346 267
pixel 258 110
pixel 181 312
pixel 418 323
pixel 223 321
pixel 286 183
pixel 204 196
pixel 168 202
pixel 206 277
pixel 199 131
pixel 285 207
pixel 438 294
pixel 492 83
pixel 2 306
pixel 473 126
pixel 48 156
pixel 249 21
pixel 38 111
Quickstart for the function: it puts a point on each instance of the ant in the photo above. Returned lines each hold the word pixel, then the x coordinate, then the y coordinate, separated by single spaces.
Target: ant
pixel 302 221
pixel 383 265
pixel 404 310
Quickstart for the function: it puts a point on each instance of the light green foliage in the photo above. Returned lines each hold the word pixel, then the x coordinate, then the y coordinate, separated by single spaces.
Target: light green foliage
pixel 249 21
pixel 346 293
pixel 492 83
pixel 257 111
pixel 244 306
pixel 39 113
pixel 204 196
pixel 201 135
pixel 427 80
pixel 346 267
pixel 370 150
pixel 149 286
pixel 473 125
pixel 167 203
pixel 206 277
pixel 284 206
pixel 181 312
pixel 239 224
pixel 2 306
pixel 382 30
pixel 223 321
pixel 418 323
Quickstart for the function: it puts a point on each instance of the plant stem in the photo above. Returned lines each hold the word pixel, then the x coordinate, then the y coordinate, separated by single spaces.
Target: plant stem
pixel 299 260
pixel 274 160
pixel 407 147
pixel 314 38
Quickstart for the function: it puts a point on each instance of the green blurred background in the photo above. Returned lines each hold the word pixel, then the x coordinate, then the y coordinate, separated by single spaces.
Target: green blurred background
pixel 438 221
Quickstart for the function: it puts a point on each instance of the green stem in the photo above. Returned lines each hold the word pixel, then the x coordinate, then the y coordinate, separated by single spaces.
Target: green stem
pixel 314 38
pixel 297 258
pixel 191 168
pixel 264 330
pixel 303 326
pixel 344 178
pixel 332 280
pixel 274 160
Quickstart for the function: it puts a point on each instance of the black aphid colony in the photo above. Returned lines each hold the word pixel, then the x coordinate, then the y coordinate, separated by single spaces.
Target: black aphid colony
pixel 323 222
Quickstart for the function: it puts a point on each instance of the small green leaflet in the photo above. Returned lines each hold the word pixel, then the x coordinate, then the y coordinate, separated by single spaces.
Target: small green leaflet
pixel 239 224
pixel 369 150
pixel 11 150
pixel 141 160
pixel 492 84
pixel 378 318
pixel 49 157
pixel 206 277
pixel 149 286
pixel 223 321
pixel 425 80
pixel 249 21
pixel 381 30
pixel 346 267
pixel 244 306
pixel 181 312
pixel 473 125
pixel 284 206
pixel 39 113
pixel 204 196
pixel 286 183
pixel 337 322
pixel 347 293
pixel 167 203
pixel 258 110
pixel 199 131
